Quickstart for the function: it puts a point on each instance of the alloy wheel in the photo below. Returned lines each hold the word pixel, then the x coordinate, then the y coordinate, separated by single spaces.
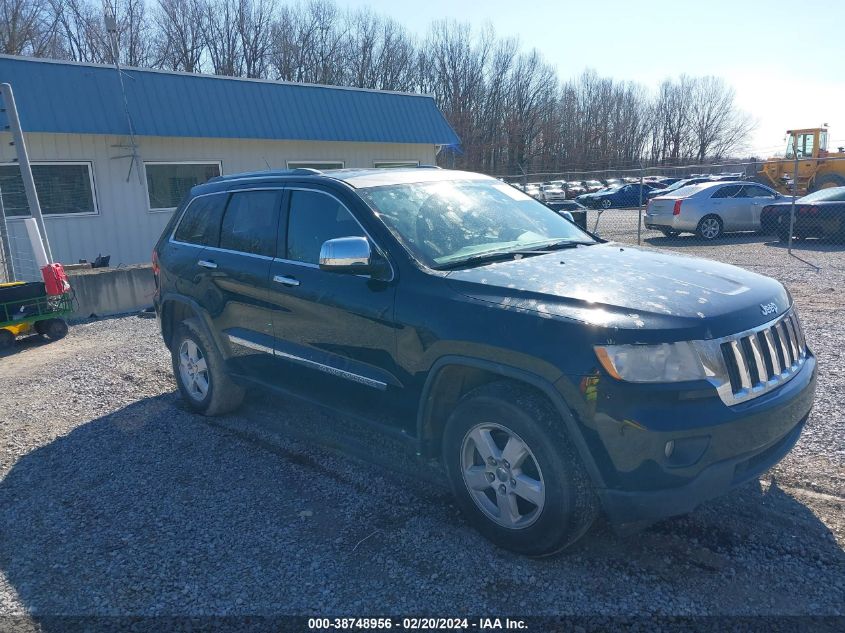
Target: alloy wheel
pixel 502 475
pixel 710 228
pixel 193 370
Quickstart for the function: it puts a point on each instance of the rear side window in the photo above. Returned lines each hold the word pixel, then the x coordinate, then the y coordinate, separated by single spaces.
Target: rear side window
pixel 727 192
pixel 200 223
pixel 314 218
pixel 755 191
pixel 250 223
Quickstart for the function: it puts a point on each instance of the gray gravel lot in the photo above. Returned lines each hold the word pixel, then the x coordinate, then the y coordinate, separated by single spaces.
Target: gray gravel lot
pixel 115 500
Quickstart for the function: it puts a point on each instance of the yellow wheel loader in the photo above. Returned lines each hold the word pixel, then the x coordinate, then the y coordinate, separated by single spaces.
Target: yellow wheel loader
pixel 818 168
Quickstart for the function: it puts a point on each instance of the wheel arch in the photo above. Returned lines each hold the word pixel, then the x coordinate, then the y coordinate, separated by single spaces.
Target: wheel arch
pixel 176 308
pixel 451 377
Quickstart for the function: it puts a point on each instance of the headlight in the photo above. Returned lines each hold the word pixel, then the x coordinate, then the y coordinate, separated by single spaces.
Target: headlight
pixel 666 362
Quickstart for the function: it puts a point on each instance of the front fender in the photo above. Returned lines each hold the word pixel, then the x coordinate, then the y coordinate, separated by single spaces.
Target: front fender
pixel 427 444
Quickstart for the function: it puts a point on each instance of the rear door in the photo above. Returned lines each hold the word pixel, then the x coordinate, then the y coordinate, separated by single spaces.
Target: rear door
pixel 337 324
pixel 235 288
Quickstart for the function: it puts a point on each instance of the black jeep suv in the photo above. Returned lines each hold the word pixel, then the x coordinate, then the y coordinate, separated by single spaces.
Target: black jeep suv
pixel 555 374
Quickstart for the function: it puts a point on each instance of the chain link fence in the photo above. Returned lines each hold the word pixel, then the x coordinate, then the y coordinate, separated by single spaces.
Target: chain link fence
pixel 752 214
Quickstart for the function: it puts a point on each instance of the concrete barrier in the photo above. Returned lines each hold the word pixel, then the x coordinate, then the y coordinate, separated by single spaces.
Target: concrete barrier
pixel 107 291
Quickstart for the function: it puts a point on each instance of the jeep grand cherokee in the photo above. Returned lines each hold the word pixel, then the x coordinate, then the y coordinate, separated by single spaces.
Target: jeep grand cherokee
pixel 556 375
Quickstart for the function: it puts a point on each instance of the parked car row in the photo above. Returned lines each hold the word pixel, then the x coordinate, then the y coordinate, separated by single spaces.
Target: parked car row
pixel 614 192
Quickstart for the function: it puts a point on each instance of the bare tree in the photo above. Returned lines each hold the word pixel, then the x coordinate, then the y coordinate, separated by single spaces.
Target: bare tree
pixel 133 32
pixel 179 43
pixel 80 30
pixel 220 36
pixel 27 27
pixel 716 125
pixel 255 24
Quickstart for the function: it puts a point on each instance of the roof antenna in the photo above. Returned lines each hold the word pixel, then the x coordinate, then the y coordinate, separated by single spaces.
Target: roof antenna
pixel 135 160
pixel 264 158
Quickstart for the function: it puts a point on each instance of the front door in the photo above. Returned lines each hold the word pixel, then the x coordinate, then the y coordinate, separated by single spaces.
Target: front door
pixel 337 324
pixel 757 197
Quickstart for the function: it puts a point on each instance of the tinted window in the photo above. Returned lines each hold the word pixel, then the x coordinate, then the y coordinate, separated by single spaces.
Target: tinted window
pixel 251 222
pixel 314 218
pixel 754 191
pixel 201 222
pixel 727 192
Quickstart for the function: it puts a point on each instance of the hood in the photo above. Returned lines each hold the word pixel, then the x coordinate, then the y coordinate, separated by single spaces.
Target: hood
pixel 642 294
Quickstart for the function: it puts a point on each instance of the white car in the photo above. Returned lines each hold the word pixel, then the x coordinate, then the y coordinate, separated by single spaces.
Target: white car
pixel 710 209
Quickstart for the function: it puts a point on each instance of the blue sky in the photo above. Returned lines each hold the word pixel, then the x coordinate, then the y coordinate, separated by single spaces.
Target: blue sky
pixel 785 59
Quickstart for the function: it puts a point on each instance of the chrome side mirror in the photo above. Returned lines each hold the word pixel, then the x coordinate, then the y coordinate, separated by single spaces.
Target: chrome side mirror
pixel 347 255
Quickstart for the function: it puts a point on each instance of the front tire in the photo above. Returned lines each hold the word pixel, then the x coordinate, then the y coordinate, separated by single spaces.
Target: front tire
pixel 515 473
pixel 199 370
pixel 709 228
pixel 606 204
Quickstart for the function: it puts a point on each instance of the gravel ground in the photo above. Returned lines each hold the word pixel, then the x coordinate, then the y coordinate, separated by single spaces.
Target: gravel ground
pixel 116 500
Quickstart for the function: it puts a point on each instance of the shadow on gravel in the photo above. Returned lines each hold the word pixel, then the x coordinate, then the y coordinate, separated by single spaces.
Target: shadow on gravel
pixel 150 510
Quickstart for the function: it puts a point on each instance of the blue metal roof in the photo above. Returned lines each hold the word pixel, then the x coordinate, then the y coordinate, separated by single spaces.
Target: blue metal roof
pixel 67 97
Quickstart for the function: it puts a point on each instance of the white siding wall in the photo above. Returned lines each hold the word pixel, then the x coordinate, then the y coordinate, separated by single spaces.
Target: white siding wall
pixel 124 227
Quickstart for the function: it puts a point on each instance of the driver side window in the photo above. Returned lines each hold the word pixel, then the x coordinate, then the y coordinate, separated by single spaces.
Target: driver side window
pixel 314 218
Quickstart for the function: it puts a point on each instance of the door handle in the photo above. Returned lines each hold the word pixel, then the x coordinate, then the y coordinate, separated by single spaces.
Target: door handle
pixel 285 281
pixel 205 263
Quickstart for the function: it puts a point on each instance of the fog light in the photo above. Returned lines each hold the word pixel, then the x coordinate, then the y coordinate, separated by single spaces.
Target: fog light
pixel 669 448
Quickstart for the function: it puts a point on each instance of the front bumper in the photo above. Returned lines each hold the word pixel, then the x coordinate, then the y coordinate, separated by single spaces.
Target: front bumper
pixel 744 441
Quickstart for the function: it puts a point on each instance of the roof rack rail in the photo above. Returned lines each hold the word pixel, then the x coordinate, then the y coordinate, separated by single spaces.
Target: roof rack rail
pixel 269 173
pixel 428 167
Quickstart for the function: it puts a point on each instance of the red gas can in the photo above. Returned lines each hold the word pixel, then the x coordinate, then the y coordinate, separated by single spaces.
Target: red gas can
pixel 55 279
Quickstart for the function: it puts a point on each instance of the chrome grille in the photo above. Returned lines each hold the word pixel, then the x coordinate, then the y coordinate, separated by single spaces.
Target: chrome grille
pixel 759 360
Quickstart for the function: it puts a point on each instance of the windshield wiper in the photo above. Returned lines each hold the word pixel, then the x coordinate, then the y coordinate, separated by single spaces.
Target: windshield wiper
pixel 554 246
pixel 484 258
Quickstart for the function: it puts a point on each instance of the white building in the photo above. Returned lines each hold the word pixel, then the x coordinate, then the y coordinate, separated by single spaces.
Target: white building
pixel 97 199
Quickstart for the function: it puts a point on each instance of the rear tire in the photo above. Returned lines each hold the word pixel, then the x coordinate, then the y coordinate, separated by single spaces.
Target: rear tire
pixel 827 181
pixel 7 340
pixel 52 329
pixel 540 503
pixel 199 370
pixel 710 228
pixel 670 232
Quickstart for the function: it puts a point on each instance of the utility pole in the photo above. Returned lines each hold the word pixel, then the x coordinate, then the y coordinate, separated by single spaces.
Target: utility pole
pixel 23 160
pixel 794 193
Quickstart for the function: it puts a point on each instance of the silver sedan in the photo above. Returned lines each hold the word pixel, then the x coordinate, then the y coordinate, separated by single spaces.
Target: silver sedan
pixel 710 209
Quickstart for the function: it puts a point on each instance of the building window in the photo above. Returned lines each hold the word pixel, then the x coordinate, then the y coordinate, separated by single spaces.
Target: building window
pixel 63 189
pixel 169 183
pixel 395 164
pixel 315 164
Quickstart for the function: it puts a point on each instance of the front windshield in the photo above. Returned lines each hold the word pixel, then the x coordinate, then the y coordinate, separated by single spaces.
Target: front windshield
pixel 833 194
pixel 446 222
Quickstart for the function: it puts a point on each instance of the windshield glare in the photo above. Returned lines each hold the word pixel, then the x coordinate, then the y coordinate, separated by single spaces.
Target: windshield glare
pixel 448 221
